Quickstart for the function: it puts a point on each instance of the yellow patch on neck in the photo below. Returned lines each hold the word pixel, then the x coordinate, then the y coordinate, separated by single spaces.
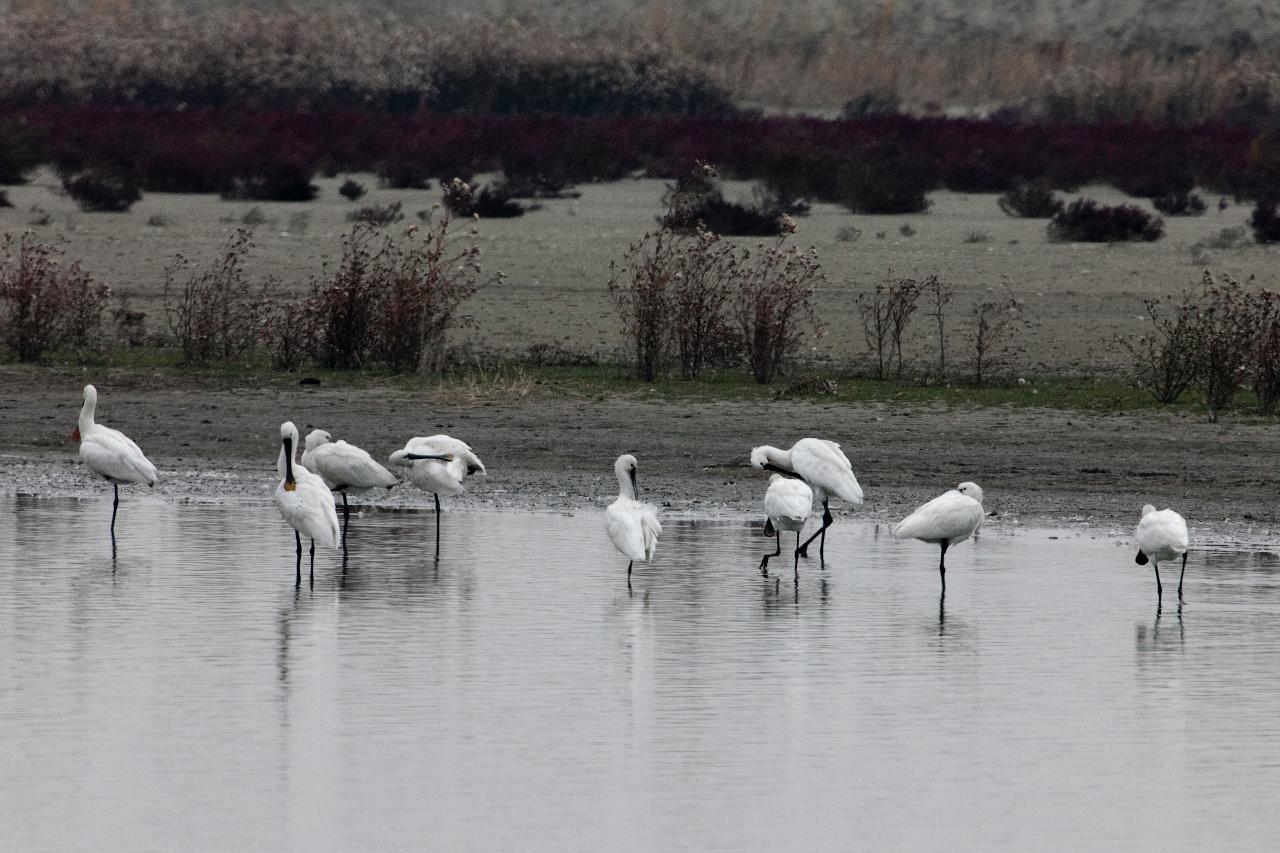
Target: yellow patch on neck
pixel 290 485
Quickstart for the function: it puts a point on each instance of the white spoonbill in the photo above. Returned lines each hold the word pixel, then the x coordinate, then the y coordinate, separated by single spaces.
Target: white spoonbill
pixel 788 503
pixel 110 454
pixel 304 501
pixel 1161 535
pixel 948 519
pixel 344 467
pixel 437 464
pixel 821 464
pixel 633 526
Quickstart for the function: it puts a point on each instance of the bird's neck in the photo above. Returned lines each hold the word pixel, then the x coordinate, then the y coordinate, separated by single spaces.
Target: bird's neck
pixel 86 417
pixel 624 486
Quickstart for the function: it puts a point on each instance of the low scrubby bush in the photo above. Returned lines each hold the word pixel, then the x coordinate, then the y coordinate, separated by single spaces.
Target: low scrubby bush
pixel 1265 222
pixel 491 201
pixel 351 190
pixel 1086 221
pixel 885 313
pixel 1031 201
pixel 45 303
pixel 214 313
pixel 885 179
pixel 773 303
pixel 706 207
pixel 1164 358
pixel 378 215
pixel 283 181
pixel 1180 204
pixel 102 192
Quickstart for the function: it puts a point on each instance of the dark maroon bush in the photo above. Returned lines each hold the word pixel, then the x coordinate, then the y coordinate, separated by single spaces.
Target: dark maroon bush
pixel 1265 222
pixel 1180 204
pixel 887 178
pixel 351 190
pixel 101 192
pixel 21 151
pixel 282 181
pixel 45 303
pixel 1031 201
pixel 1086 221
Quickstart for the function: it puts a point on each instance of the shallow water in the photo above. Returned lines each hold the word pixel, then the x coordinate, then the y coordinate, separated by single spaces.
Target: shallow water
pixel 515 695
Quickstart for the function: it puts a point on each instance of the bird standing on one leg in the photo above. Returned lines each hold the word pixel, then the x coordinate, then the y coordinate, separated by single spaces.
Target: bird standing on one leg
pixel 821 464
pixel 304 501
pixel 110 454
pixel 344 467
pixel 633 526
pixel 948 519
pixel 788 504
pixel 437 464
pixel 1162 535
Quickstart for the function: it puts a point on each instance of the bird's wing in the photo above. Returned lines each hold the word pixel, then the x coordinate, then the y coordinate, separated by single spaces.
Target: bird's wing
pixel 623 521
pixel 951 516
pixel 319 511
pixel 823 464
pixel 788 499
pixel 343 464
pixel 111 453
pixel 652 529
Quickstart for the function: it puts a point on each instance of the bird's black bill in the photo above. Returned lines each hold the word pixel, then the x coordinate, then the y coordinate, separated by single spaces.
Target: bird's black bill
pixel 769 466
pixel 1141 559
pixel 447 457
pixel 289 482
pixel 635 487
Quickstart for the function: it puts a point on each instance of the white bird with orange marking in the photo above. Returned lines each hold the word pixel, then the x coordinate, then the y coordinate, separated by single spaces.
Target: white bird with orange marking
pixel 304 501
pixel 948 519
pixel 1162 536
pixel 109 453
pixel 821 464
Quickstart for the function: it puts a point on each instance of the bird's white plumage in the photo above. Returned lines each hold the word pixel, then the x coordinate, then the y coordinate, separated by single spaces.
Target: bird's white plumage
pixel 788 502
pixel 307 507
pixel 1161 534
pixel 344 466
pixel 110 453
pixel 952 517
pixel 633 526
pixel 434 475
pixel 820 463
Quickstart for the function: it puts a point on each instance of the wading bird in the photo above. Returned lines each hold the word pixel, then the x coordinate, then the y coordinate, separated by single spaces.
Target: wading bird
pixel 787 503
pixel 948 519
pixel 437 464
pixel 821 464
pixel 304 501
pixel 110 454
pixel 1161 535
pixel 633 526
pixel 344 467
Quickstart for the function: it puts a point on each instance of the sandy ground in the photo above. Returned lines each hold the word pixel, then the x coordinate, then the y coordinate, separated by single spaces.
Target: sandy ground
pixel 552 452
pixel 1079 298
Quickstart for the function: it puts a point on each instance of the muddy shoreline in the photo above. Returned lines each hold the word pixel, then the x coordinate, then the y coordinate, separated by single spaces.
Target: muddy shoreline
pixel 552 452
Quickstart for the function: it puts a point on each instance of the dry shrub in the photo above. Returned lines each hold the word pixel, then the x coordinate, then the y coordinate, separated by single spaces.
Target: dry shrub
pixel 215 312
pixel 46 304
pixel 492 201
pixel 427 275
pixel 1086 221
pixel 707 267
pixel 1226 328
pixel 351 189
pixel 990 329
pixel 1164 359
pixel 343 307
pixel 774 303
pixel 1265 222
pixel 885 314
pixel 378 215
pixel 1180 204
pixel 697 202
pixel 1031 201
pixel 102 192
pixel 641 286
pixel 1266 352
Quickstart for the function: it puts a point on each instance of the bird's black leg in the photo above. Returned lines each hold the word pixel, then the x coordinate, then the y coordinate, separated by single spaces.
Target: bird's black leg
pixel 115 505
pixel 796 567
pixel 1180 574
pixel 297 580
pixel 764 564
pixel 1159 589
pixel 827 518
pixel 942 566
pixel 346 517
pixel 437 497
pixel 630 563
pixel 313 562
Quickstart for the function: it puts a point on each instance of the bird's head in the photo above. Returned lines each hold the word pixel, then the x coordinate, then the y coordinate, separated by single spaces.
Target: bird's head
pixel 1147 509
pixel 317 437
pixel 971 490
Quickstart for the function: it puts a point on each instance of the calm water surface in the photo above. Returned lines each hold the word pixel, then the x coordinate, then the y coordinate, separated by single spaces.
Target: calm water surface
pixel 184 696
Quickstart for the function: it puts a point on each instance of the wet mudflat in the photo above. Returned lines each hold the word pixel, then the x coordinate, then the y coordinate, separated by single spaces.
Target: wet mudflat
pixel 515 694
